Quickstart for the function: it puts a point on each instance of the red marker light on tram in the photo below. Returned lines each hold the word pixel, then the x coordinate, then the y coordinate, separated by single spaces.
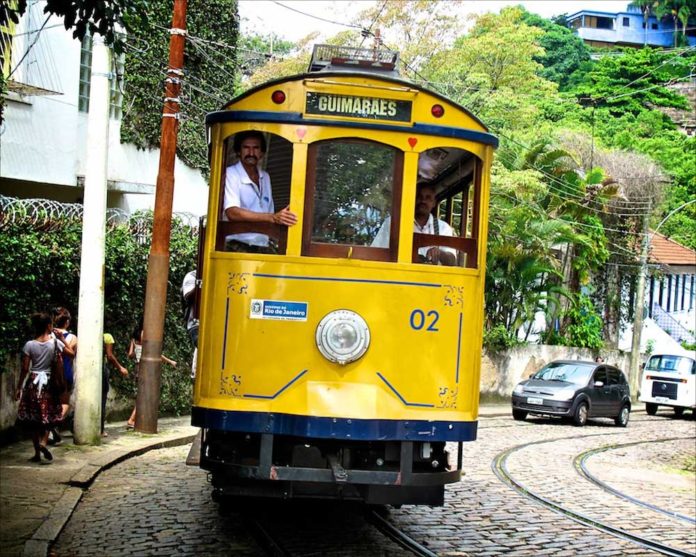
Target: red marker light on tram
pixel 437 110
pixel 278 97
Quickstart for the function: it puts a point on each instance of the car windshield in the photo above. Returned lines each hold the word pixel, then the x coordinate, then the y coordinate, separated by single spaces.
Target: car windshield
pixel 671 364
pixel 577 374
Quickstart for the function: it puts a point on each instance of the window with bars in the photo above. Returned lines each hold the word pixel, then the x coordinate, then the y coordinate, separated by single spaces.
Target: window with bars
pixel 116 96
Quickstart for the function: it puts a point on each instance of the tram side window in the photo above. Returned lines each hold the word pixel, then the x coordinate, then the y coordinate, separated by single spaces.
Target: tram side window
pixel 351 186
pixel 447 206
pixel 261 186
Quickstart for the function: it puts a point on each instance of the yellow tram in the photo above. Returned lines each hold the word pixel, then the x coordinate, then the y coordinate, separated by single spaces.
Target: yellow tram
pixel 341 362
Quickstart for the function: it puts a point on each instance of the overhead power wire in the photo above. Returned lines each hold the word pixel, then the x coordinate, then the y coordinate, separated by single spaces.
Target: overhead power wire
pixel 368 32
pixel 38 34
pixel 317 17
pixel 658 67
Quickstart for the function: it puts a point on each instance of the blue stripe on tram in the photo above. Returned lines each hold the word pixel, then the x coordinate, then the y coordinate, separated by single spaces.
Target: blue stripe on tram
pixel 334 428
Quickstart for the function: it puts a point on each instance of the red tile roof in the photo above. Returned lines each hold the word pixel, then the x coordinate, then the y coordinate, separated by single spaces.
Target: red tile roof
pixel 668 252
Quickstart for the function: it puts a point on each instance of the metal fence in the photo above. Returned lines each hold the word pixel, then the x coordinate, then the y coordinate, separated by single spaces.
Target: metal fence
pixel 46 214
pixel 671 326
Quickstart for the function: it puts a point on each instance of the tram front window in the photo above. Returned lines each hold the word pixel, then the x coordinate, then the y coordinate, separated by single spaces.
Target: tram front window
pixel 256 180
pixel 447 208
pixel 351 187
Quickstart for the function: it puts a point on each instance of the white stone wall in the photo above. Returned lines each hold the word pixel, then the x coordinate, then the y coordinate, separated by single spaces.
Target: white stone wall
pixel 502 371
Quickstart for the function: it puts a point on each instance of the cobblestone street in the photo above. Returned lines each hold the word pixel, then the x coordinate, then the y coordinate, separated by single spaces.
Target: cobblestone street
pixel 154 504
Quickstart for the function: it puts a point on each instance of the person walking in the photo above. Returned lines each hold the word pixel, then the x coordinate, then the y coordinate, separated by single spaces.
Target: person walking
pixel 135 352
pixel 109 343
pixel 188 291
pixel 61 324
pixel 38 393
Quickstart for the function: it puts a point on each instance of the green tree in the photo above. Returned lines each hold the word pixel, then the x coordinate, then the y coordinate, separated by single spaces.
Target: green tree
pixel 253 51
pixel 564 51
pixel 41 262
pixel 634 81
pixel 522 270
pixel 210 63
pixel 419 29
pixel 498 80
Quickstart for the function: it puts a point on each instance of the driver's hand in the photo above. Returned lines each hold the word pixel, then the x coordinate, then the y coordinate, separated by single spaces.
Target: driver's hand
pixel 285 216
pixel 433 255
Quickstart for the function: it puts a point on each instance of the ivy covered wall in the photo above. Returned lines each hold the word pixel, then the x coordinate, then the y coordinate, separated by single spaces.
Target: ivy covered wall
pixel 210 64
pixel 40 267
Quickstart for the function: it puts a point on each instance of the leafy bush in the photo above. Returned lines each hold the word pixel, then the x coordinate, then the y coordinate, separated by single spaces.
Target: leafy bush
pixel 40 269
pixel 584 327
pixel 499 338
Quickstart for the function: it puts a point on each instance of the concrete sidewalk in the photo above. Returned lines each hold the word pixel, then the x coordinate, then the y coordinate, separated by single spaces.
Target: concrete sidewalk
pixel 36 501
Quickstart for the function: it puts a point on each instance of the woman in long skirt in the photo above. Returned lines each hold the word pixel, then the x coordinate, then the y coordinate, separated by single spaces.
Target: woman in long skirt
pixel 39 407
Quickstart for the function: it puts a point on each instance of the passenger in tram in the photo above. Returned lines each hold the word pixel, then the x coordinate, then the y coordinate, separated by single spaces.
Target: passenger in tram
pixel 423 223
pixel 248 195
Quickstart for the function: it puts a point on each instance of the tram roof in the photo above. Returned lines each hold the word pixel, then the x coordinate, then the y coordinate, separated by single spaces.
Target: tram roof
pixel 363 74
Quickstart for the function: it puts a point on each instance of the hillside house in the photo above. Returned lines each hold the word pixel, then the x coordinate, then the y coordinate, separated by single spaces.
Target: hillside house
pixel 627 28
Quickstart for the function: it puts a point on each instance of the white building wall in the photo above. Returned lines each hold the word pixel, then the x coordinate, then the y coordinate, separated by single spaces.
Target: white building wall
pixel 43 141
pixel 39 137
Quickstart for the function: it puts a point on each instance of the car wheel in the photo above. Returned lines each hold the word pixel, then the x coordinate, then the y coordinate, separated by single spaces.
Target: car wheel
pixel 519 414
pixel 651 409
pixel 622 419
pixel 678 411
pixel 580 415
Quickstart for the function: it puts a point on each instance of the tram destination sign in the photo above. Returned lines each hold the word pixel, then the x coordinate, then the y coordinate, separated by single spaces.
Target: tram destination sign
pixel 366 108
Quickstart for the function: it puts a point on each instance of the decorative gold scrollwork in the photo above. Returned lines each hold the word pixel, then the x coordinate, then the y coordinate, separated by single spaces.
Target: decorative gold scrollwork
pixel 237 283
pixel 230 385
pixel 454 295
pixel 448 397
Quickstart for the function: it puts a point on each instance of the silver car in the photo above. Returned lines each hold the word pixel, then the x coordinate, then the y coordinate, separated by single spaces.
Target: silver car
pixel 574 389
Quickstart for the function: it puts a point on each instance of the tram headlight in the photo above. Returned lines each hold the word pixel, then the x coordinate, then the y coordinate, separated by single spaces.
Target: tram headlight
pixel 342 336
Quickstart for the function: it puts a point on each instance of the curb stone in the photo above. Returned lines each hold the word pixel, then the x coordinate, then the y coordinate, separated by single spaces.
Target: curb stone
pixel 40 542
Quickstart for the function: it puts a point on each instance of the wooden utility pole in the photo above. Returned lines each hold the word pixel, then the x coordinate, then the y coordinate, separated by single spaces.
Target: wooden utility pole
pixel 147 402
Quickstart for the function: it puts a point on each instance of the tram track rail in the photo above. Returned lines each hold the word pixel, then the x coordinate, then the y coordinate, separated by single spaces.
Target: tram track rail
pixel 265 539
pixel 580 464
pixel 499 468
pixel 396 535
pixel 273 545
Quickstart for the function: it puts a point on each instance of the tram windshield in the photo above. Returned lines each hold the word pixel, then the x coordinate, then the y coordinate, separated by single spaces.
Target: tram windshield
pixel 354 191
pixel 354 195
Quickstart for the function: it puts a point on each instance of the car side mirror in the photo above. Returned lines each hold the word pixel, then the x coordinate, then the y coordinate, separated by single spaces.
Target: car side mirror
pixel 599 384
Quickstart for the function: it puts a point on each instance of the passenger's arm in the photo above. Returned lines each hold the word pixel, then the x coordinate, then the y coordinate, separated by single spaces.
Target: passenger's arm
pixel 285 216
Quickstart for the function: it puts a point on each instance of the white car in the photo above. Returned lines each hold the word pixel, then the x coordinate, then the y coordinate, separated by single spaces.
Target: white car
pixel 669 380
